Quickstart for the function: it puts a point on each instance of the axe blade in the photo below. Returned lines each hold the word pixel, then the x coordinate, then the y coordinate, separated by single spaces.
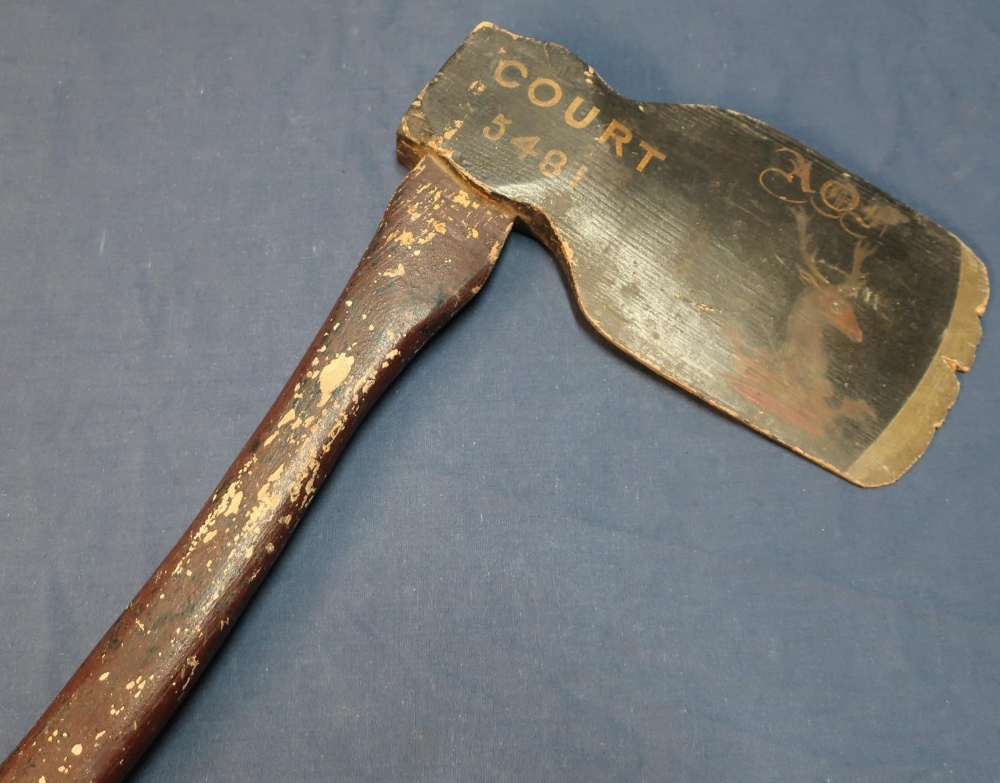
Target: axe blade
pixel 716 251
pixel 720 253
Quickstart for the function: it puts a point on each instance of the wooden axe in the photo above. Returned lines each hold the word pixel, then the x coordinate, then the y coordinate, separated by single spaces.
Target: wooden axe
pixel 714 250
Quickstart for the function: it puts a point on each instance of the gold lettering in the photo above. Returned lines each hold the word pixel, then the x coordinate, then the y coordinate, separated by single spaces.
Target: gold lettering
pixel 839 196
pixel 651 152
pixel 495 134
pixel 526 145
pixel 618 133
pixel 572 121
pixel 504 65
pixel 798 169
pixel 556 93
pixel 553 162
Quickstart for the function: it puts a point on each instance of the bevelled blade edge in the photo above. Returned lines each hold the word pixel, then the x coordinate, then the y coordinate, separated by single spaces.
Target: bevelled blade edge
pixel 910 432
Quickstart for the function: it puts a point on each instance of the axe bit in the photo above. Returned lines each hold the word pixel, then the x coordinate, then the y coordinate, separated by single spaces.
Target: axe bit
pixel 721 254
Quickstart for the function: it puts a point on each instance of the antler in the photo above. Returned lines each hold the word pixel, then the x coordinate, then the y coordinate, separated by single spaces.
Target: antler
pixel 810 273
pixel 855 280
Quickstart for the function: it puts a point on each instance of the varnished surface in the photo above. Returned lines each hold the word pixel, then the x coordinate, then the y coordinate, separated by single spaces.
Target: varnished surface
pixel 535 561
pixel 434 250
pixel 719 252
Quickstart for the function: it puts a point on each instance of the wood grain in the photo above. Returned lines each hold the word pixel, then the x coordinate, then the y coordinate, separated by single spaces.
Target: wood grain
pixel 719 252
pixel 434 250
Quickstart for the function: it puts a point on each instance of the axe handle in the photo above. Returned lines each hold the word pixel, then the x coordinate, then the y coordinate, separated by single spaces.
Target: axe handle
pixel 433 251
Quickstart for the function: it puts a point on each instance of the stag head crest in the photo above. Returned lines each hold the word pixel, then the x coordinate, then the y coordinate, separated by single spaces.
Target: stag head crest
pixel 809 269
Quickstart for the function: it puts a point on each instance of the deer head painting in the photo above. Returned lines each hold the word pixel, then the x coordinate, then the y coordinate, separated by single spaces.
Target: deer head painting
pixel 790 378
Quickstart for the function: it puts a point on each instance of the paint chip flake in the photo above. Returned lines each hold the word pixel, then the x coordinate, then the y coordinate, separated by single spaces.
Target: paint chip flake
pixel 334 374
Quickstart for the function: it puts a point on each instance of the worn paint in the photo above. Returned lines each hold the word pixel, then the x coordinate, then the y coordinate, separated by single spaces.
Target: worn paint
pixel 334 374
pixel 141 669
pixel 552 140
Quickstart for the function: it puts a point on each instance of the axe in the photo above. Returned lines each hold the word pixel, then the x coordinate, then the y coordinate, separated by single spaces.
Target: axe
pixel 712 249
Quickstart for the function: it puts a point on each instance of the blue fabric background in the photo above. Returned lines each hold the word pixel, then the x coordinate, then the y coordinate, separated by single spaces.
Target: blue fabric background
pixel 536 562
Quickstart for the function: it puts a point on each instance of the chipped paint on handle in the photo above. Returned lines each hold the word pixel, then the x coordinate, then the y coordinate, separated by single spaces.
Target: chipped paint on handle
pixel 435 248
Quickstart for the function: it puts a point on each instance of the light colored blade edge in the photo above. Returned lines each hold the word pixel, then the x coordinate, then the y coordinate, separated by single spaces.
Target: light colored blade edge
pixel 910 432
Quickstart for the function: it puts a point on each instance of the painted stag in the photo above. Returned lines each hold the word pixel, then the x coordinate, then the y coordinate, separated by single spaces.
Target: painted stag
pixel 792 380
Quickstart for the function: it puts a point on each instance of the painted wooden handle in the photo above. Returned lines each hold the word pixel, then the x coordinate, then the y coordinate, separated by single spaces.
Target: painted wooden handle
pixel 435 248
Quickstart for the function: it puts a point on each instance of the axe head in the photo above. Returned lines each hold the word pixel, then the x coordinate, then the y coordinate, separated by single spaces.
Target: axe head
pixel 718 252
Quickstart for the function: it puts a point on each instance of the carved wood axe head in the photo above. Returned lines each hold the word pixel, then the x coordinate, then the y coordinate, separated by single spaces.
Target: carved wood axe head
pixel 719 253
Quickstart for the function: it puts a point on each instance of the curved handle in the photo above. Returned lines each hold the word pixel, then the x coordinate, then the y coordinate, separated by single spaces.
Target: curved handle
pixel 432 253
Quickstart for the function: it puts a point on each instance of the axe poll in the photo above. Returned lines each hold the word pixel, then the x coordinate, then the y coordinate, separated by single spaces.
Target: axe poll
pixel 716 251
